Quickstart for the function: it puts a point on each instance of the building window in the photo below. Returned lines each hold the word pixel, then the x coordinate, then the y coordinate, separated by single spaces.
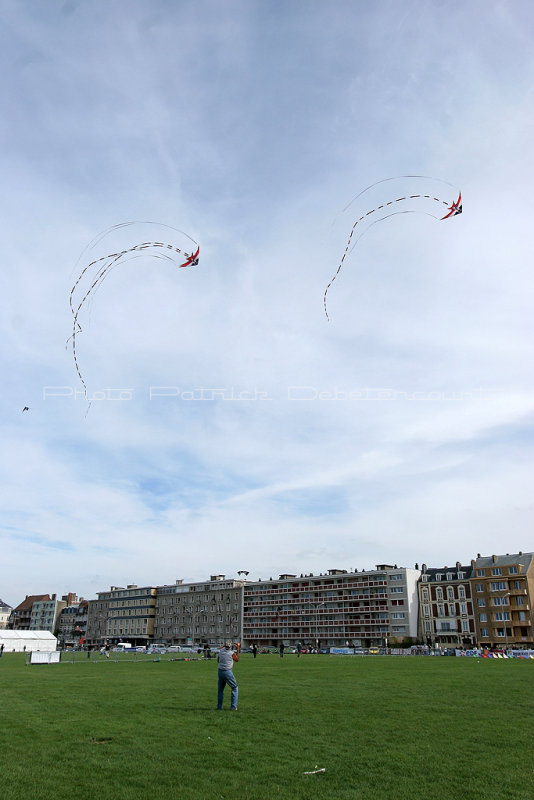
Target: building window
pixel 481 602
pixel 498 586
pixel 480 573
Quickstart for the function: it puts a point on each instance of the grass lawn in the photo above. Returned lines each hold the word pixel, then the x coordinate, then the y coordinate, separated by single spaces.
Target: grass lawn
pixel 382 727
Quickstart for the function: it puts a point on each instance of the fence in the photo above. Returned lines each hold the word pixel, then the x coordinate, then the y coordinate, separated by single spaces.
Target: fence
pixel 116 657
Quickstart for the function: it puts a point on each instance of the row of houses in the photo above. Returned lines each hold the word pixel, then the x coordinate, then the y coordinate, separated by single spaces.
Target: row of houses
pixel 487 603
pixel 65 617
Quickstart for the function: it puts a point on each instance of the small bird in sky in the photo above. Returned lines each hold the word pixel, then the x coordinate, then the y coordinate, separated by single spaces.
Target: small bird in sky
pixel 26 408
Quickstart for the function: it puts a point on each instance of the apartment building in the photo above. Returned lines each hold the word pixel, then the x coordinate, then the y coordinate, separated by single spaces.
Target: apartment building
pixel 45 614
pixel 122 614
pixel 97 621
pixel 446 613
pixel 200 613
pixel 338 608
pixel 72 622
pixel 502 588
pixel 20 617
pixel 5 612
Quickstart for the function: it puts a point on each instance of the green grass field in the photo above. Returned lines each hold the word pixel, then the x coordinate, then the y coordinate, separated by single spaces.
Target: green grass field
pixel 382 727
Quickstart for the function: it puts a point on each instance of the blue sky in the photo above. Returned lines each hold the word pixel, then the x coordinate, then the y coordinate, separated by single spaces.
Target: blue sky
pixel 252 433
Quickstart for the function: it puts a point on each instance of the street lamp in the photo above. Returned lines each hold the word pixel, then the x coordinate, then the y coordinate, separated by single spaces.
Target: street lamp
pixel 242 612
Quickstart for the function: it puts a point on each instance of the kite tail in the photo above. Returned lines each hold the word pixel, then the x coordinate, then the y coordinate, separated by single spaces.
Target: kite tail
pixel 347 248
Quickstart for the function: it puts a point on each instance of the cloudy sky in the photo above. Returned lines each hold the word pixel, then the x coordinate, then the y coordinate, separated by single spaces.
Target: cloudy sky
pixel 231 426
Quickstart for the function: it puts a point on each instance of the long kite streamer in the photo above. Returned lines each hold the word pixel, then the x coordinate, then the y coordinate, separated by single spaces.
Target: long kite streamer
pixel 408 194
pixel 171 244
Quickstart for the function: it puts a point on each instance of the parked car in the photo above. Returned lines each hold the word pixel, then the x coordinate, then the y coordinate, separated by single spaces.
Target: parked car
pixel 374 651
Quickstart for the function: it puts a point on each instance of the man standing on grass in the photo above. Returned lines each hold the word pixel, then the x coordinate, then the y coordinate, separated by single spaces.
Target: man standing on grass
pixel 226 660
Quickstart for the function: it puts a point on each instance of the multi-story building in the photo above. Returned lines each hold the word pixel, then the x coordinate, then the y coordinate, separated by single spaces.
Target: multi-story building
pixel 97 621
pixel 503 589
pixel 72 622
pixel 5 612
pixel 446 615
pixel 339 608
pixel 122 614
pixel 80 621
pixel 20 617
pixel 203 613
pixel 45 614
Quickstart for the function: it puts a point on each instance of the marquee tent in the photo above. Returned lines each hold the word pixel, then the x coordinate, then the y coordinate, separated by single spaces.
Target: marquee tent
pixel 19 641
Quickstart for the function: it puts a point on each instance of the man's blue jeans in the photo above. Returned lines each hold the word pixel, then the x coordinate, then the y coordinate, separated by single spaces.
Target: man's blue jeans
pixel 226 676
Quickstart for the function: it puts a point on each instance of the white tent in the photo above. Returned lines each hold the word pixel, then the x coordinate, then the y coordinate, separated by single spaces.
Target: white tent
pixel 19 641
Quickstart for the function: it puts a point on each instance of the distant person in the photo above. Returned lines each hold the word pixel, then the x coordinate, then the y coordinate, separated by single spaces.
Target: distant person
pixel 281 649
pixel 254 650
pixel 225 675
pixel 1 650
pixel 299 649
